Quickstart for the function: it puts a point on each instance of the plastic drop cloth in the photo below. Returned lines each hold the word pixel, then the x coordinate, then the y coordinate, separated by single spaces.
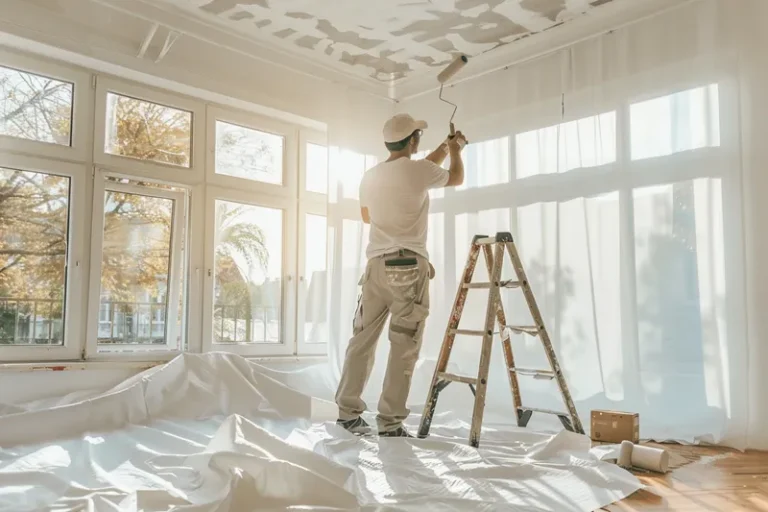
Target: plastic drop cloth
pixel 215 432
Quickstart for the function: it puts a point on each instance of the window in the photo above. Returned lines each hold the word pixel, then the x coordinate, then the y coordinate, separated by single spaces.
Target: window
pixel 470 224
pixel 349 167
pixel 249 154
pixel 623 245
pixel 35 107
pixel 140 266
pixel 434 193
pixel 571 254
pixel 587 142
pixel 678 122
pixel 312 283
pixel 148 131
pixel 678 239
pixel 316 168
pixel 34 234
pixel 248 274
pixel 486 163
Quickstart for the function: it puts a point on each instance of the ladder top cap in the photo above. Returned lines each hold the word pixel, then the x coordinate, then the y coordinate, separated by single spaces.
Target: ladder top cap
pixel 501 237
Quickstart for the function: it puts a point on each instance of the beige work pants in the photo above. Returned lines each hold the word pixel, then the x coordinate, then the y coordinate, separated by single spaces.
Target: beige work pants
pixel 396 284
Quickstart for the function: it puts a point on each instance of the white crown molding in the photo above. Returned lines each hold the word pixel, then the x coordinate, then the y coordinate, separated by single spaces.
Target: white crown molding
pixel 610 16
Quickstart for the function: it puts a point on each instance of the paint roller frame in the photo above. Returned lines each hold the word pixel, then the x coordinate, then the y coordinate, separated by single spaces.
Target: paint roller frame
pixel 445 75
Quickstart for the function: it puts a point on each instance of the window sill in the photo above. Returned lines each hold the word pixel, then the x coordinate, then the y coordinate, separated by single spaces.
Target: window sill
pixel 122 363
pixel 56 366
pixel 289 359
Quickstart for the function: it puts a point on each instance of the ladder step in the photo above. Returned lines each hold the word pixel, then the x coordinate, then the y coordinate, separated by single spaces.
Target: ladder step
pixel 457 378
pixel 485 241
pixel 468 332
pixel 502 284
pixel 543 411
pixel 527 329
pixel 536 374
pixel 517 329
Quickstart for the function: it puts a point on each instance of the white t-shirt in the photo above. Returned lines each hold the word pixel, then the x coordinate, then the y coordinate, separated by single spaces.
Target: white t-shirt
pixel 396 195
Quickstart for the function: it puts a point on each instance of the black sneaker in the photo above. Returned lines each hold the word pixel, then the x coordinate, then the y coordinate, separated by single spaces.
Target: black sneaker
pixel 355 426
pixel 398 432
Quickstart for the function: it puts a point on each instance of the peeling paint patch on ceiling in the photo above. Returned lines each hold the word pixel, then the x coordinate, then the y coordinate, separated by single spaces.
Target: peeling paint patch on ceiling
pixel 388 39
pixel 242 15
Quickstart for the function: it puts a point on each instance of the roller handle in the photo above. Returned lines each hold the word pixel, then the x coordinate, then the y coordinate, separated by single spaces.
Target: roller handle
pixel 452 134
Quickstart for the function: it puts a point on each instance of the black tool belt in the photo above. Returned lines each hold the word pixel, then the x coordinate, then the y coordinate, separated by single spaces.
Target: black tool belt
pixel 400 258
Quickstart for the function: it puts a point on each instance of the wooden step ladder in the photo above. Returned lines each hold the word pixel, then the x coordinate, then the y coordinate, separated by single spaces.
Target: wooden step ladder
pixel 493 249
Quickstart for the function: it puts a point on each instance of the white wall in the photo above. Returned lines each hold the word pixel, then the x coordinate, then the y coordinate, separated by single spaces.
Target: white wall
pixel 755 160
pixel 22 387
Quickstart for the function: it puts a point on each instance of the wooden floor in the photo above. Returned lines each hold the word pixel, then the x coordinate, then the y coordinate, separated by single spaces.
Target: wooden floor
pixel 704 479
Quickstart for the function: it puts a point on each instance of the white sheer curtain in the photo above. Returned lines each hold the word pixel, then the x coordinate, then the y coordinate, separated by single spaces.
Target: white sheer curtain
pixel 617 166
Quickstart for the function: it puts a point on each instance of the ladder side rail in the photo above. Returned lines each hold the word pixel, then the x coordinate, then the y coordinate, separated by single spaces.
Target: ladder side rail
pixel 544 335
pixel 506 341
pixel 485 355
pixel 448 339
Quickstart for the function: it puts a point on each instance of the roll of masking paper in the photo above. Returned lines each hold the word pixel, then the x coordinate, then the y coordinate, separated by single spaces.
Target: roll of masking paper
pixel 625 454
pixel 651 459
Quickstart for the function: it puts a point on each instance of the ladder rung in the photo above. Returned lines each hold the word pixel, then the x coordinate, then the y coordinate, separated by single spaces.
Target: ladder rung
pixel 457 378
pixel 544 411
pixel 527 329
pixel 486 241
pixel 502 284
pixel 537 374
pixel 468 332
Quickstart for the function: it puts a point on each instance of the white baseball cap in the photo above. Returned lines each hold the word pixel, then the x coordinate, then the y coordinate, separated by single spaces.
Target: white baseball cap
pixel 400 127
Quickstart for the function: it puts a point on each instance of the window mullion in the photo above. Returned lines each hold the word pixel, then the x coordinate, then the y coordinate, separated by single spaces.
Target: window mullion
pixel 628 275
pixel 94 281
pixel 174 277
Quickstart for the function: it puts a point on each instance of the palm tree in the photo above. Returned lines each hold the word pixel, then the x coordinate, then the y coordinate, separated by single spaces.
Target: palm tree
pixel 238 240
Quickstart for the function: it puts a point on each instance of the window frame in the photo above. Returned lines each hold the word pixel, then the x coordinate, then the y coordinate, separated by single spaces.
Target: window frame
pixel 146 168
pixel 258 123
pixel 92 163
pixel 82 108
pixel 310 203
pixel 76 261
pixel 288 289
pixel 123 350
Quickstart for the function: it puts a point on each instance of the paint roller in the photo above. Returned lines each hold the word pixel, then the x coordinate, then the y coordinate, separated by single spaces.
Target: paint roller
pixel 445 75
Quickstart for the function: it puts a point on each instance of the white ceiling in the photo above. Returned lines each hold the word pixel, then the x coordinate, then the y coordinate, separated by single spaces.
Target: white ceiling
pixel 391 49
pixel 384 40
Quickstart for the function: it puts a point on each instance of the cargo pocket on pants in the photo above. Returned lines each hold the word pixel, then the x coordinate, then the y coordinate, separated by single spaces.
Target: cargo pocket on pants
pixel 357 321
pixel 407 331
pixel 411 324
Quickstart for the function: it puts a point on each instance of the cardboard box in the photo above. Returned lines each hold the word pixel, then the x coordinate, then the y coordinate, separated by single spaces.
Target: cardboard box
pixel 615 426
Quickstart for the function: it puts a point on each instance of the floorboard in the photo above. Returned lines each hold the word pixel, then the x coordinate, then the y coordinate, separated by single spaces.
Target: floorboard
pixel 704 478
